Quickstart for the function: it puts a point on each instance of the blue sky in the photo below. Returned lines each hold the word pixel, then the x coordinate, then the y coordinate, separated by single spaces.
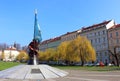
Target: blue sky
pixel 55 17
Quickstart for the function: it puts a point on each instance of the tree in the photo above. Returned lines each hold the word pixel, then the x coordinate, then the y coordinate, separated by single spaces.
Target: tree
pixel 84 49
pixel 47 55
pixel 3 55
pixel 115 54
pixel 41 56
pixel 23 56
pixel 50 53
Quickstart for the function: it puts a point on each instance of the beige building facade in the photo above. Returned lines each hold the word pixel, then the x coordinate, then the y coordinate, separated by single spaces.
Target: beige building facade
pixel 97 35
pixel 50 43
pixel 114 39
pixel 69 36
pixel 10 54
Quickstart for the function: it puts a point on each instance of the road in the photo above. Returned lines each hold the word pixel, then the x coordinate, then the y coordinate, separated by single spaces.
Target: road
pixel 78 75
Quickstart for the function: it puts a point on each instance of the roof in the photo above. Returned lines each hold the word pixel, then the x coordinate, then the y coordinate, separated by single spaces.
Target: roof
pixel 116 26
pixel 95 25
pixel 51 40
pixel 69 33
pixel 11 48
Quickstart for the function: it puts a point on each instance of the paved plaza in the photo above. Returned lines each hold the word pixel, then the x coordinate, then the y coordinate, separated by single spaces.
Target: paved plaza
pixel 32 72
pixel 79 75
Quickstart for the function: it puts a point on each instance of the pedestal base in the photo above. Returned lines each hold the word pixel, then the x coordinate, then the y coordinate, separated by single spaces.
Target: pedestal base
pixel 32 60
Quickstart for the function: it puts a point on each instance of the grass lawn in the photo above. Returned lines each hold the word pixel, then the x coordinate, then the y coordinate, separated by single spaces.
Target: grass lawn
pixel 89 68
pixel 5 65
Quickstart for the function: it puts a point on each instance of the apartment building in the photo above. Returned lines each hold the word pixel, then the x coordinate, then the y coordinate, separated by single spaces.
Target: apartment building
pixel 114 39
pixel 69 36
pixel 97 34
pixel 51 43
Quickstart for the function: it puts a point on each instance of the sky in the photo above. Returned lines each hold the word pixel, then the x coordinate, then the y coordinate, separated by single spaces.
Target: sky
pixel 55 17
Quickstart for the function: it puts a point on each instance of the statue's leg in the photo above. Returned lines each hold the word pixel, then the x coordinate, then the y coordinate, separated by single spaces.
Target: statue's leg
pixel 31 57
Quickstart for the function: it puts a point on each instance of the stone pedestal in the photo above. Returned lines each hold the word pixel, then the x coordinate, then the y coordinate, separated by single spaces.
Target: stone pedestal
pixel 30 72
pixel 32 60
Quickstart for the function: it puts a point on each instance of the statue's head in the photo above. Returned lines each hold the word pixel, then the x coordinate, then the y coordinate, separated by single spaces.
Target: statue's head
pixel 35 41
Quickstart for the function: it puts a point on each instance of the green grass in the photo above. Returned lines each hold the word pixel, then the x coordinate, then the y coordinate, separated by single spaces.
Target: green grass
pixel 87 68
pixel 6 65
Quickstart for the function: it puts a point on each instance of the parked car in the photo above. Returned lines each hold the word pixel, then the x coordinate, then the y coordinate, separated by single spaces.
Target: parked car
pixel 110 64
pixel 100 64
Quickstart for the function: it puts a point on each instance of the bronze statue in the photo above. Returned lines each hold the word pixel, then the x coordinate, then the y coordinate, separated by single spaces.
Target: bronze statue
pixel 33 46
pixel 33 51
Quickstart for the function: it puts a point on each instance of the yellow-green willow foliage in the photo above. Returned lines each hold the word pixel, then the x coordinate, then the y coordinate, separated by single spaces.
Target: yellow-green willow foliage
pixel 84 49
pixel 47 55
pixel 71 54
pixel 23 56
pixel 51 53
pixel 79 49
pixel 61 51
pixel 41 56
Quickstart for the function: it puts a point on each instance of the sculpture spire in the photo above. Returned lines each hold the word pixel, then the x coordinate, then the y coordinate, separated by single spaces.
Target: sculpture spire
pixel 35 11
pixel 37 32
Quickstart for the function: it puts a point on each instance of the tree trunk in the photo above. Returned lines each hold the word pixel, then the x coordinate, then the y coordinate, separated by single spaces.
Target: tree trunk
pixel 117 60
pixel 116 57
pixel 82 62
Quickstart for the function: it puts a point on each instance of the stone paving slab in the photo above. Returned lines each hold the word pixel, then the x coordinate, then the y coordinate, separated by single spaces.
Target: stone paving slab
pixel 29 72
pixel 8 72
pixel 56 71
pixel 47 73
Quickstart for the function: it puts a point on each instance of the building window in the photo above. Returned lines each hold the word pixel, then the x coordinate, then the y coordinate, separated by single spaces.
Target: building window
pixel 99 40
pixel 105 53
pixel 95 40
pixel 100 55
pixel 116 33
pixel 91 41
pixel 99 33
pixel 111 35
pixel 103 39
pixel 103 32
pixel 117 41
pixel 97 54
pixel 95 33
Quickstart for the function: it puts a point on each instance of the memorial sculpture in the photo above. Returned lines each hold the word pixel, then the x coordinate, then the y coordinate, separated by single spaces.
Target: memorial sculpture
pixel 34 45
pixel 33 52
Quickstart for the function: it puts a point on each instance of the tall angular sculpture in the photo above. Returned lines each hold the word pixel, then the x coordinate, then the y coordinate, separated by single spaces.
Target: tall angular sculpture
pixel 33 46
pixel 37 32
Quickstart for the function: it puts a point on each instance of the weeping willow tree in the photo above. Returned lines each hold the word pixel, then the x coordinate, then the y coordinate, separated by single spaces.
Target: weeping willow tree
pixel 84 49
